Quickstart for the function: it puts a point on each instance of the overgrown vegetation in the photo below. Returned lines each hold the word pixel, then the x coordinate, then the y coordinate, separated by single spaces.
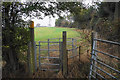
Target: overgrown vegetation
pixel 105 21
pixel 103 18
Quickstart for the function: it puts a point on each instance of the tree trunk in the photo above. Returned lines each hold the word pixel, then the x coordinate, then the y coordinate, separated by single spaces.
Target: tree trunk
pixel 12 62
pixel 10 55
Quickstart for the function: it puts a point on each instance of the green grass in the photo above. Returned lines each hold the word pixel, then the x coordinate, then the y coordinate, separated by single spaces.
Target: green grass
pixel 44 33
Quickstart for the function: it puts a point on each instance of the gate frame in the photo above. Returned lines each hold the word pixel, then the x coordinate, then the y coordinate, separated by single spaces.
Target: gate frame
pixel 94 59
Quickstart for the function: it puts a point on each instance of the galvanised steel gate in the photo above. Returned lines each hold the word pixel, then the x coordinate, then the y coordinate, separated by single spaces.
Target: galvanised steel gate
pixel 94 68
pixel 48 54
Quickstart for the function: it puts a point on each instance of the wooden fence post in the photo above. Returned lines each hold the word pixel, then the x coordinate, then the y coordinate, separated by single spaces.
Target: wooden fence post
pixel 79 52
pixel 92 36
pixel 32 45
pixel 29 58
pixel 64 55
pixel 60 54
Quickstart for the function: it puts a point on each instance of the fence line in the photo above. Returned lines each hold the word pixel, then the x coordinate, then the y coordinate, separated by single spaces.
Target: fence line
pixel 74 47
pixel 94 60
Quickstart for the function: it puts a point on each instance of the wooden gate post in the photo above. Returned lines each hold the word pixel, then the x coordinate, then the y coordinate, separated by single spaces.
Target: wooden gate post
pixel 29 59
pixel 60 54
pixel 92 36
pixel 64 56
pixel 32 45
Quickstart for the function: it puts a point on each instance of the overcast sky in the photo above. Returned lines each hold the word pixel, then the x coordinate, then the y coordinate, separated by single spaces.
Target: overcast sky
pixel 46 21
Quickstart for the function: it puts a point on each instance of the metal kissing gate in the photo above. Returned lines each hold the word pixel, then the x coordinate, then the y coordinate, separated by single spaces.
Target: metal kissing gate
pixel 48 54
pixel 44 54
pixel 96 71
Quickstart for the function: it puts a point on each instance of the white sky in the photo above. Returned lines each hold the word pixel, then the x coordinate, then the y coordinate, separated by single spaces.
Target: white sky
pixel 45 21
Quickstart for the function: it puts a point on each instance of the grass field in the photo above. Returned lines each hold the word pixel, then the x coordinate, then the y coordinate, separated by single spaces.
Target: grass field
pixel 44 33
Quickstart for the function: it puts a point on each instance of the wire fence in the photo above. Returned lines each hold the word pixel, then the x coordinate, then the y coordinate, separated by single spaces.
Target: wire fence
pixel 99 69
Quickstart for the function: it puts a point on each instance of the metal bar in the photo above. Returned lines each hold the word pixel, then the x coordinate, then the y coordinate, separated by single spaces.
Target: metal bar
pixel 76 47
pixel 49 41
pixel 69 38
pixel 106 72
pixel 99 75
pixel 93 77
pixel 53 39
pixel 107 54
pixel 51 57
pixel 58 44
pixel 72 46
pixel 35 55
pixel 56 38
pixel 49 44
pixel 59 39
pixel 107 66
pixel 69 41
pixel 39 56
pixel 95 35
pixel 53 44
pixel 92 57
pixel 50 69
pixel 69 44
pixel 50 64
pixel 106 41
pixel 48 48
pixel 72 49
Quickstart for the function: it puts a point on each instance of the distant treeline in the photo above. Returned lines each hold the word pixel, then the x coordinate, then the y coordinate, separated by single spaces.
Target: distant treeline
pixel 105 19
